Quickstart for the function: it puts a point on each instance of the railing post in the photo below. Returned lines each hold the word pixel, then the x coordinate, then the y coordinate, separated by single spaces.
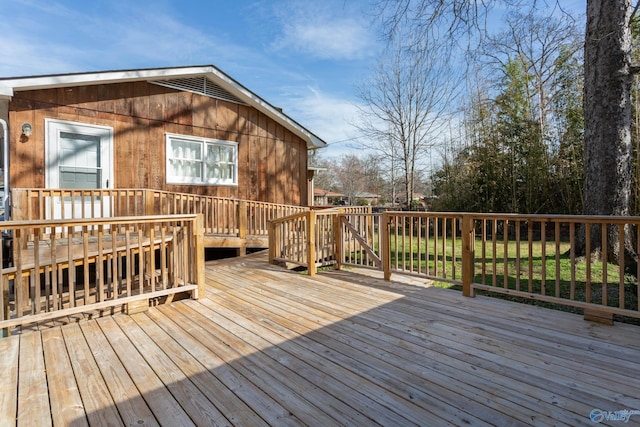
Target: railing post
pixel 19 204
pixel 385 251
pixel 468 255
pixel 273 239
pixel 148 209
pixel 242 226
pixel 149 202
pixel 311 243
pixel 338 238
pixel 198 236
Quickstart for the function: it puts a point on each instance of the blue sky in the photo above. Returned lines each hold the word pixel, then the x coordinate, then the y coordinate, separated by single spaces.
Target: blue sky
pixel 304 56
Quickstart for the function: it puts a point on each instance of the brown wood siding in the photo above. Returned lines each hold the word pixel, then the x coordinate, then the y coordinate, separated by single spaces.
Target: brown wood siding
pixel 271 160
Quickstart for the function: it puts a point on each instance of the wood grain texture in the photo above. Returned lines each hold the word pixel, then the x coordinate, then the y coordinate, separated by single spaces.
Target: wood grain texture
pixel 97 400
pixel 140 114
pixel 159 400
pixel 268 346
pixel 9 348
pixel 33 395
pixel 66 403
pixel 128 400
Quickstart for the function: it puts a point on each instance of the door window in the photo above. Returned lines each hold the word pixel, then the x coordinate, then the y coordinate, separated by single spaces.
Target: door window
pixel 79 161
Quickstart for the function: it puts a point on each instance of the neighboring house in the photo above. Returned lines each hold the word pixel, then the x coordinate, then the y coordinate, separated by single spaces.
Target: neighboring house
pixel 420 201
pixel 325 197
pixel 369 198
pixel 186 129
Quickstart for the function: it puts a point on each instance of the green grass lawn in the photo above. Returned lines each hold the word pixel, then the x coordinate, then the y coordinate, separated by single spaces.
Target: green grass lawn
pixel 549 271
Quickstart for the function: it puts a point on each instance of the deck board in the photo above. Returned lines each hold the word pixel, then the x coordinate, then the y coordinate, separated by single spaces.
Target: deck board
pixel 525 375
pixel 33 396
pixel 157 397
pixel 221 397
pixel 258 369
pixel 391 345
pixel 233 376
pixel 192 401
pixel 129 402
pixel 391 357
pixel 366 393
pixel 305 384
pixel 66 403
pixel 268 346
pixel 10 351
pixel 477 330
pixel 97 401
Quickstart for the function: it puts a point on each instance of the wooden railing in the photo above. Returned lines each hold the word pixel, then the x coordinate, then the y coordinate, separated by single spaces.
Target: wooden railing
pixel 222 216
pixel 259 214
pixel 63 267
pixel 40 203
pixel 537 257
pixel 308 239
pixel 304 239
pixel 359 240
pixel 422 243
pixel 289 240
pixel 529 256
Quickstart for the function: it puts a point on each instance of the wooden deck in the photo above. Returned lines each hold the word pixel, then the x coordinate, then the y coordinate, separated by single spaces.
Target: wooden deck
pixel 267 346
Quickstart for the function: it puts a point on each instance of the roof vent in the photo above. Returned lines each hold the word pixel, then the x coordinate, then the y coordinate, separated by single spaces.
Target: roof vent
pixel 200 85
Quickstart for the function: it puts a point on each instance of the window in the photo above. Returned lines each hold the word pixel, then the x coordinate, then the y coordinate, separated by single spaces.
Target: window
pixel 193 160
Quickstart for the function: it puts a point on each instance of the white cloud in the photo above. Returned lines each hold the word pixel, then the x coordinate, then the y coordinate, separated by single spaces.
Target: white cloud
pixel 325 30
pixel 329 117
pixel 52 38
pixel 326 40
pixel 48 37
pixel 21 57
pixel 27 47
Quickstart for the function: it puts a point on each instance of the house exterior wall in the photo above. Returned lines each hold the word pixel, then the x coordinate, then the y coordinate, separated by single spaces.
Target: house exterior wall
pixel 272 161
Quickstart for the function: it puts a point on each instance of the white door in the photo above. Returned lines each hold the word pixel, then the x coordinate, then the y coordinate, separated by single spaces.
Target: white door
pixel 78 156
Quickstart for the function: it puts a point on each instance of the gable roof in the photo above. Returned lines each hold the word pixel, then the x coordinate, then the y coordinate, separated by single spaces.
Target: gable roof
pixel 183 78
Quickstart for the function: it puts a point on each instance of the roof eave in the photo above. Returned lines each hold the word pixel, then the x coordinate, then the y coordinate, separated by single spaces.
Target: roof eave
pixel 6 92
pixel 102 77
pixel 231 85
pixel 9 85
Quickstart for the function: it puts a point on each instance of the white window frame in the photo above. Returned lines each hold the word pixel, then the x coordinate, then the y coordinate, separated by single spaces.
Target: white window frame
pixel 193 158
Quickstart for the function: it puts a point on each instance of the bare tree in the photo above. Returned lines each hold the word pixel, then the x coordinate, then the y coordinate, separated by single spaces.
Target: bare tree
pixel 537 41
pixel 374 180
pixel 406 101
pixel 325 177
pixel 387 159
pixel 452 24
pixel 351 176
pixel 607 100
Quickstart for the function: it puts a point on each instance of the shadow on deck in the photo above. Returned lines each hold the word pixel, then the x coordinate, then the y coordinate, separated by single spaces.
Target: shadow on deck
pixel 268 346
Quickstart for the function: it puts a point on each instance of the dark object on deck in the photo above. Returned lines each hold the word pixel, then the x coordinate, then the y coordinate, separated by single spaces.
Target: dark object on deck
pixel 7 249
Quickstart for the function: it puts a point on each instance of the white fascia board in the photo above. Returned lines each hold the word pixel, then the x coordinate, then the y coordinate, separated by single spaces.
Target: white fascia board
pixel 5 92
pixel 107 77
pixel 227 83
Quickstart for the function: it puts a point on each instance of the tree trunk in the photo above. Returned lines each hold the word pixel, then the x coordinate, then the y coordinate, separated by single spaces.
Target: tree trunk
pixel 607 107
